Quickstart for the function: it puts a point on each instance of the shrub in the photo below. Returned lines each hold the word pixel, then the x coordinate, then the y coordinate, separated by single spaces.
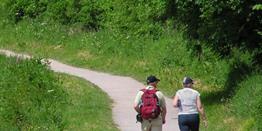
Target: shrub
pixel 86 12
pixel 137 17
pixel 17 9
pixel 224 24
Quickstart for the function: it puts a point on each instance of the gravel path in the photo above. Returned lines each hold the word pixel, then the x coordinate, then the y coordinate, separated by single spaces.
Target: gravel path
pixel 122 91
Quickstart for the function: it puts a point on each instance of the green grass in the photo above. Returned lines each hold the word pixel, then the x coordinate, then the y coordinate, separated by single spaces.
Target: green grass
pixel 247 103
pixel 168 57
pixel 89 109
pixel 111 51
pixel 240 113
pixel 35 98
pixel 32 98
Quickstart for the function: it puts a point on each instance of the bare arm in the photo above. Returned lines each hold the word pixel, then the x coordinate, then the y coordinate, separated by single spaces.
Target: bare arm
pixel 163 107
pixel 137 102
pixel 175 101
pixel 136 107
pixel 200 108
pixel 164 115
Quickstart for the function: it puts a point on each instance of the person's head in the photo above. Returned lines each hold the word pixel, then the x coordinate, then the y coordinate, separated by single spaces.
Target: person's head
pixel 188 82
pixel 152 80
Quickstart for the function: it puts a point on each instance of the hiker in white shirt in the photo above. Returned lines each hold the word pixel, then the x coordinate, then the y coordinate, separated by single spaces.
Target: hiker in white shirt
pixel 189 104
pixel 151 124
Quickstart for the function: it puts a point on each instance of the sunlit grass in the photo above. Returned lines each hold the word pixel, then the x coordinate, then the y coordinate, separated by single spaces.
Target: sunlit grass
pixel 167 57
pixel 35 98
pixel 89 109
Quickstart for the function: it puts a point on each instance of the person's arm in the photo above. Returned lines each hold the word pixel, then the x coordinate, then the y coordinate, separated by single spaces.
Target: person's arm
pixel 164 114
pixel 200 109
pixel 137 102
pixel 136 107
pixel 163 107
pixel 175 101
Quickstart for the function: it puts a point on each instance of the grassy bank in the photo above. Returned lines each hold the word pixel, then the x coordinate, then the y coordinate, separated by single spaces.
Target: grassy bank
pixel 35 98
pixel 240 113
pixel 89 108
pixel 119 53
pixel 169 57
pixel 32 97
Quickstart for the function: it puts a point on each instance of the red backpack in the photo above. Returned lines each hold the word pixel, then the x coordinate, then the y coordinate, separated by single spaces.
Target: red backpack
pixel 150 108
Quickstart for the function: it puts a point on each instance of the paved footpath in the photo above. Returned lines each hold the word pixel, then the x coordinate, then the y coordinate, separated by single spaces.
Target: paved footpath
pixel 122 91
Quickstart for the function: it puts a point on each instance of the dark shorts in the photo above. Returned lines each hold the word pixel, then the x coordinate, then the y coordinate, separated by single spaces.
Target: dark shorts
pixel 188 122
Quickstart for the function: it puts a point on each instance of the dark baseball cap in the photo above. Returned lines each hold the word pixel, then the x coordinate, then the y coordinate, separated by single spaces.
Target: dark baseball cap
pixel 187 80
pixel 151 79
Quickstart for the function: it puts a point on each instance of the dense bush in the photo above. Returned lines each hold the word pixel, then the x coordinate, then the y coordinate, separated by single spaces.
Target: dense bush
pixel 86 12
pixel 17 9
pixel 137 17
pixel 31 96
pixel 224 24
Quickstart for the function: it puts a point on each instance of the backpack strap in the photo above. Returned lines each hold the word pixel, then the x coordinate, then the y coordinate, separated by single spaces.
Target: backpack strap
pixel 144 89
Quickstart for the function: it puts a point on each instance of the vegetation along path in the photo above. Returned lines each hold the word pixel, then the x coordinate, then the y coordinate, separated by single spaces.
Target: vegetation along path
pixel 122 91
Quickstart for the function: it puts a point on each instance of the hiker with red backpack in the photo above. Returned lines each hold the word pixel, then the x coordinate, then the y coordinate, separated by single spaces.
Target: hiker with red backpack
pixel 151 106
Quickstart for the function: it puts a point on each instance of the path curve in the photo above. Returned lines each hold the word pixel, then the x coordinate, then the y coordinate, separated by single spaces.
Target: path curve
pixel 122 91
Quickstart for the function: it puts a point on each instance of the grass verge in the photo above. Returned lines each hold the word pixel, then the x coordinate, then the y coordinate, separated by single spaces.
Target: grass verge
pixel 35 98
pixel 89 108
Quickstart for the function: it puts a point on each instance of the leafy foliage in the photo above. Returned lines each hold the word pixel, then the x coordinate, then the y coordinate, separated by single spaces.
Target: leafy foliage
pixel 86 12
pixel 137 17
pixel 224 24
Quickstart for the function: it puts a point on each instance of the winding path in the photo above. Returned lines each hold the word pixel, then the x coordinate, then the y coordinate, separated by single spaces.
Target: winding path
pixel 122 91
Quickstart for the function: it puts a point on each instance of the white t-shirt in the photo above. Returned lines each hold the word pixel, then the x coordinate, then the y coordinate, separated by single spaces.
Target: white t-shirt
pixel 187 101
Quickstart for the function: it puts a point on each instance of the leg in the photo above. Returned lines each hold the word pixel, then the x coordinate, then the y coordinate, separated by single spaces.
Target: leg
pixel 195 122
pixel 157 124
pixel 182 122
pixel 146 125
pixel 156 128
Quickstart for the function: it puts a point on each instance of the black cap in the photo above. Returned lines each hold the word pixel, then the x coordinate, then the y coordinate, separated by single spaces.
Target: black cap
pixel 151 79
pixel 187 80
